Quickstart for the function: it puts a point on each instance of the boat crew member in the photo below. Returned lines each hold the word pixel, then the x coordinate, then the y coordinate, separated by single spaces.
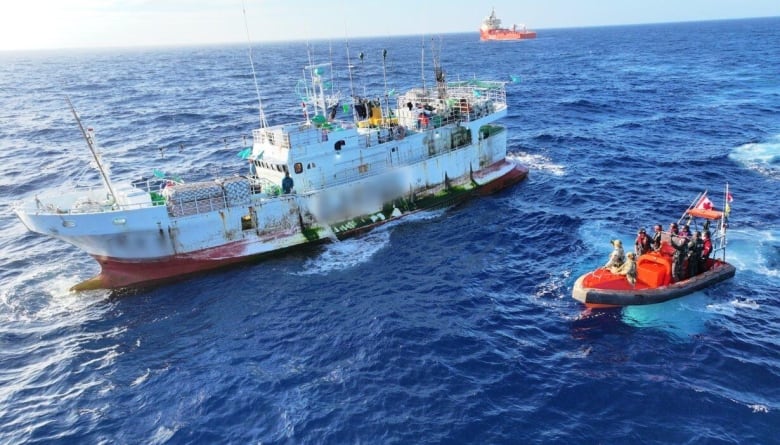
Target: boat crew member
pixel 686 232
pixel 642 242
pixel 680 247
pixel 629 269
pixel 695 246
pixel 706 250
pixel 657 237
pixel 617 257
pixel 287 183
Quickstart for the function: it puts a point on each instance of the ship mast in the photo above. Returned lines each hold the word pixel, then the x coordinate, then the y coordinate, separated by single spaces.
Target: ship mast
pixel 384 75
pixel 91 144
pixel 422 63
pixel 351 84
pixel 263 122
pixel 441 84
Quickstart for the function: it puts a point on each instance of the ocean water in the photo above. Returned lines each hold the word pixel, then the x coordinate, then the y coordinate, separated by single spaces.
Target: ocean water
pixel 454 326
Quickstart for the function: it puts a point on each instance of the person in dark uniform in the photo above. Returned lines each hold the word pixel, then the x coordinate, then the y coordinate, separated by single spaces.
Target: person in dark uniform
pixel 287 183
pixel 680 249
pixel 694 254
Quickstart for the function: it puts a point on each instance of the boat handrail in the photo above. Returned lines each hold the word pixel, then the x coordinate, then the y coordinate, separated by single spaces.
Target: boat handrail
pixel 466 101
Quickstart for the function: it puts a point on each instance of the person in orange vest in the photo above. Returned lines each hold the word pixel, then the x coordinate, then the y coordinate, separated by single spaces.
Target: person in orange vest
pixel 424 120
pixel 642 242
pixel 706 250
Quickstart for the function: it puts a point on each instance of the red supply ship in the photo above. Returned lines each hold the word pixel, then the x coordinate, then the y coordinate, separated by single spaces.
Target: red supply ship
pixel 654 277
pixel 491 30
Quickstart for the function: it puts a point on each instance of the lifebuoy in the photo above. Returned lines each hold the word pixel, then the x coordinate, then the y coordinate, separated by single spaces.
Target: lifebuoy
pixel 400 132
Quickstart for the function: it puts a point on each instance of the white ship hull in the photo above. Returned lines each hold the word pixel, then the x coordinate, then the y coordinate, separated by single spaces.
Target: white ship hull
pixel 374 175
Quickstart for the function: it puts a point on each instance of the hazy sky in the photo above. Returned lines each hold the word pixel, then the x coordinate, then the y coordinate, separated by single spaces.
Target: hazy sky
pixel 33 24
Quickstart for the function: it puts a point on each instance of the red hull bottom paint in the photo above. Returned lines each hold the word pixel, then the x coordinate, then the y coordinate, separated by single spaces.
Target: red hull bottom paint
pixel 508 35
pixel 117 274
pixel 514 176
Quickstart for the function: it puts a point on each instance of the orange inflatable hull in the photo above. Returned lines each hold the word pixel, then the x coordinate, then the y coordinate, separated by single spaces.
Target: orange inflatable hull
pixel 602 288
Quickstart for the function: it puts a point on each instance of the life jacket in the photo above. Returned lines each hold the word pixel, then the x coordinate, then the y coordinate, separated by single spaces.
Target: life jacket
pixel 706 248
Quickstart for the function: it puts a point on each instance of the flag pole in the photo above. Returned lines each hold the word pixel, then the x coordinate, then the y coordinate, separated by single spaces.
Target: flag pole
pixel 724 219
pixel 693 204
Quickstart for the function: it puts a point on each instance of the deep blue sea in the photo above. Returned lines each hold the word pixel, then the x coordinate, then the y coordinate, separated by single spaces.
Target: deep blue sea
pixel 454 326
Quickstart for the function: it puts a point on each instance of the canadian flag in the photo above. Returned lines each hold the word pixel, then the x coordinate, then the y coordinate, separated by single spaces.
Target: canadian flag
pixel 729 198
pixel 704 203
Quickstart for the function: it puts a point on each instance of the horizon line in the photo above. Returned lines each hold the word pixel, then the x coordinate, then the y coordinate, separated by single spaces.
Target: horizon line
pixel 317 39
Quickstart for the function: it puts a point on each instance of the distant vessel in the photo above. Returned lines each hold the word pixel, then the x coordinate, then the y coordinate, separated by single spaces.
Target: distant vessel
pixel 655 279
pixel 433 147
pixel 491 30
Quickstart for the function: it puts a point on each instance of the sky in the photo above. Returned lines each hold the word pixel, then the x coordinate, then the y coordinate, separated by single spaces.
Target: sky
pixel 52 24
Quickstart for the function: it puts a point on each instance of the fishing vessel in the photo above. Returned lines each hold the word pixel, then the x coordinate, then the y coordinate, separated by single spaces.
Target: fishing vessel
pixel 657 277
pixel 491 30
pixel 322 178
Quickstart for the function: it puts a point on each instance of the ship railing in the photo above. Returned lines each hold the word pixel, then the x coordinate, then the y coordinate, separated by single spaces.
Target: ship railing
pixel 80 198
pixel 263 186
pixel 465 102
pixel 492 90
pixel 272 136
pixel 197 206
pixel 298 134
pixel 458 113
pixel 154 187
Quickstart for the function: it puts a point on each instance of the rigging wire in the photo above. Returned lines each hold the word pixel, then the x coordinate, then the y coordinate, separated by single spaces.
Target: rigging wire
pixel 263 122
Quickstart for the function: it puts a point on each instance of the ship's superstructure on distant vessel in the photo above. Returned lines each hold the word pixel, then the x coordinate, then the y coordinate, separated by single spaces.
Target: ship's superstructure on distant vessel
pixel 491 30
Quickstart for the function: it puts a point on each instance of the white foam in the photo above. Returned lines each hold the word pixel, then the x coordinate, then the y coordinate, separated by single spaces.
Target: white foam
pixel 722 308
pixel 755 251
pixel 745 304
pixel 142 378
pixel 763 157
pixel 44 294
pixel 537 162
pixel 345 254
pixel 341 255
pixel 758 408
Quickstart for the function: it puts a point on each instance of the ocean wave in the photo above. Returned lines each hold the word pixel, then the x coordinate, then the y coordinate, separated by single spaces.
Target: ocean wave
pixel 762 157
pixel 537 162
